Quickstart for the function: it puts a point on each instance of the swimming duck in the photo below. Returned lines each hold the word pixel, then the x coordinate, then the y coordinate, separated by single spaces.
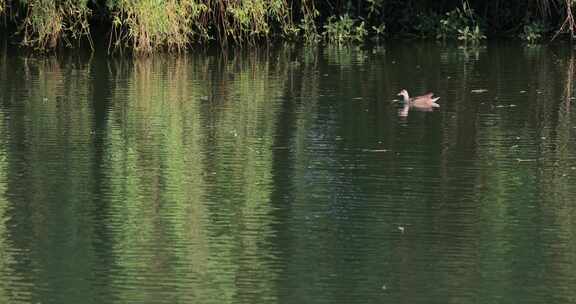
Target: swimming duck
pixel 424 101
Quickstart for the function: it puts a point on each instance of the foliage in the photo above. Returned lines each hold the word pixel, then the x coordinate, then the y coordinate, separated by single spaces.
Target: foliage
pixel 460 23
pixel 470 35
pixel 533 32
pixel 246 21
pixel 48 23
pixel 174 25
pixel 374 7
pixel 427 25
pixel 379 30
pixel 308 26
pixel 146 25
pixel 344 30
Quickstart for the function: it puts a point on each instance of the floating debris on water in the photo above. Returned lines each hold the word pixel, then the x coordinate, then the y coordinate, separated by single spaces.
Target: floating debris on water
pixel 478 91
pixel 375 150
pixel 522 92
pixel 401 229
pixel 525 160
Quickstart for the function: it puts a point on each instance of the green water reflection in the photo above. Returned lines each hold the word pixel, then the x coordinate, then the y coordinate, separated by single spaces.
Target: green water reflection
pixel 286 176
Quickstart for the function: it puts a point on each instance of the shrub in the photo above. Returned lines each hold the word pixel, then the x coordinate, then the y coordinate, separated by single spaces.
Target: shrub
pixel 460 23
pixel 48 23
pixel 533 32
pixel 344 30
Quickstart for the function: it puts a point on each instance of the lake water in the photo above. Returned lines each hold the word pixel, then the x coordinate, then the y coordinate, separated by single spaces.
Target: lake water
pixel 287 175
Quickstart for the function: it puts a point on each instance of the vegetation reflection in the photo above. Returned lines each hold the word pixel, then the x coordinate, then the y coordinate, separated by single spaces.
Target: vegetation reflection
pixel 241 177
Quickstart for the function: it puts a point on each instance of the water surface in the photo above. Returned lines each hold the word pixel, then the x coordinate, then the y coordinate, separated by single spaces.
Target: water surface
pixel 286 175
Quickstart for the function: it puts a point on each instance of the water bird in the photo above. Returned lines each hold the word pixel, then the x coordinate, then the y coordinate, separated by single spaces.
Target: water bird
pixel 423 102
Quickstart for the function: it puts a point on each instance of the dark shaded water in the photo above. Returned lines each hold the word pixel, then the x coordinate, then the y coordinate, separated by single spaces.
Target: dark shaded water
pixel 287 176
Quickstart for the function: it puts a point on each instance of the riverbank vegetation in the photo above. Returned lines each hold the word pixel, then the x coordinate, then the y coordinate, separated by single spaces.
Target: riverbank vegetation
pixel 148 25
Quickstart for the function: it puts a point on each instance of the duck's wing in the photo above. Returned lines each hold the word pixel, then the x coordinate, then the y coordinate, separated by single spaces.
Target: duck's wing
pixel 420 103
pixel 425 96
pixel 425 102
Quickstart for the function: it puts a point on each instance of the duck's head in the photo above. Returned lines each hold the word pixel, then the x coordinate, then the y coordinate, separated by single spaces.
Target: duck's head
pixel 403 93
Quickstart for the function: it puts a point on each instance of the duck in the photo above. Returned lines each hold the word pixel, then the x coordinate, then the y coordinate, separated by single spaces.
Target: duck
pixel 423 102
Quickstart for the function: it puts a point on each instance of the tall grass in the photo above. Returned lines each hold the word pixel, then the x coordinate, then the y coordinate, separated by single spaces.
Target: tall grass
pixel 49 23
pixel 148 25
pixel 145 25
pixel 247 21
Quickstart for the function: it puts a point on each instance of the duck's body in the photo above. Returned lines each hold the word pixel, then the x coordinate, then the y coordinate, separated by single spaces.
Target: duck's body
pixel 423 102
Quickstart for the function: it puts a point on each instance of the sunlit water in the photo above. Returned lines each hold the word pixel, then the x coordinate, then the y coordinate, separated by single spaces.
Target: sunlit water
pixel 288 176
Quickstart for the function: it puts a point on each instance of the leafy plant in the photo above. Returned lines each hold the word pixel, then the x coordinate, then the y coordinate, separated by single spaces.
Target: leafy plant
pixel 460 23
pixel 374 6
pixel 379 30
pixel 533 32
pixel 49 23
pixel 308 26
pixel 344 30
pixel 449 25
pixel 470 35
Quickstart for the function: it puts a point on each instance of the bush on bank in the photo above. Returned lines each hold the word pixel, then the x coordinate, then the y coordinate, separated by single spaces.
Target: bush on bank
pixel 148 25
